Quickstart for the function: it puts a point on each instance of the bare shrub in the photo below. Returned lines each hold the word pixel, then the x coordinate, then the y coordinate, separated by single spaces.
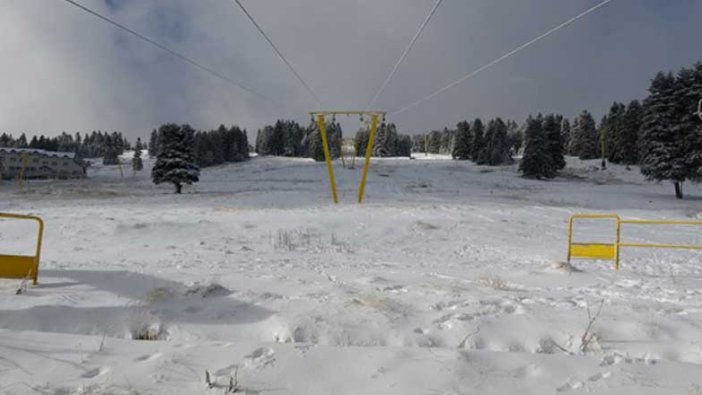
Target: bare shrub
pixel 143 325
pixel 492 281
pixel 292 239
pixel 589 335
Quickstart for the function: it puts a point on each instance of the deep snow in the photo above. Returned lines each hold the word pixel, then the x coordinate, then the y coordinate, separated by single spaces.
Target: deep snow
pixel 449 280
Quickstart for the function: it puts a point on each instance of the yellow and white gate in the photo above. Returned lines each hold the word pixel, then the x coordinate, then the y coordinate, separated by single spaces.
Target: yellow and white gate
pixel 609 249
pixel 22 266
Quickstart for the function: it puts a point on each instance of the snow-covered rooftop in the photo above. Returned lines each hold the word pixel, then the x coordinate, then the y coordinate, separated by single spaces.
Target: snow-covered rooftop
pixel 55 154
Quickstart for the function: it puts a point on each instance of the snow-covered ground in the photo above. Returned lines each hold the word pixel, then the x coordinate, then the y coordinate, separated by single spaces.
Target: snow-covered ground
pixel 449 280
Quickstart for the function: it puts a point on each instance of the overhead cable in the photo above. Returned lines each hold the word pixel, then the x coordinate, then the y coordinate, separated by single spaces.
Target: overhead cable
pixel 280 55
pixel 502 58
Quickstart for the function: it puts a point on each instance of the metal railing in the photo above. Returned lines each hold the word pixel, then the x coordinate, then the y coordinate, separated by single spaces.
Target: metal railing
pixel 610 250
pixel 23 266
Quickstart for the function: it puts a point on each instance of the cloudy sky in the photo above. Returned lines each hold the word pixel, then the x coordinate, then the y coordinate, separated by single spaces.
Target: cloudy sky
pixel 63 69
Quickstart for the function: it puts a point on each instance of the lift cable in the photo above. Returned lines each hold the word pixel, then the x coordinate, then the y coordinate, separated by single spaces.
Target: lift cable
pixel 501 58
pixel 280 55
pixel 404 54
pixel 171 51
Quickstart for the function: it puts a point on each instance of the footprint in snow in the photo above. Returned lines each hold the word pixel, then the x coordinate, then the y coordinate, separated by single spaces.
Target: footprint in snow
pixel 148 357
pixel 570 385
pixel 260 358
pixel 92 373
pixel 600 376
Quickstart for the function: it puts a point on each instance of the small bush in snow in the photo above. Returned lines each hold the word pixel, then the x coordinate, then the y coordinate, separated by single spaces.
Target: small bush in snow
pixel 493 282
pixel 291 240
pixel 143 325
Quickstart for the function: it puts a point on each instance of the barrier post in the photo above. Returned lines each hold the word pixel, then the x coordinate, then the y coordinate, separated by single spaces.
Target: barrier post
pixel 23 266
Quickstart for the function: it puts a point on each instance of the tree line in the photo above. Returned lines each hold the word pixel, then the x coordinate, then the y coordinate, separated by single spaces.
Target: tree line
pixel 97 144
pixel 288 138
pixel 663 134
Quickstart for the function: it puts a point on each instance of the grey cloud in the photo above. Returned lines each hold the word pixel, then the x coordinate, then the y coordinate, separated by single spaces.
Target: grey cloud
pixel 62 69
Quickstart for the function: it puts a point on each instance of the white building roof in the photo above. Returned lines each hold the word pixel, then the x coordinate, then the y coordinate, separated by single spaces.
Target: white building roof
pixel 53 154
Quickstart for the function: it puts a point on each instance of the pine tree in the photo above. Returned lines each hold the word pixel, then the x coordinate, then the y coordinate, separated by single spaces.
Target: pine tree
pixel 478 145
pixel 688 93
pixel 110 151
pixel 612 132
pixel 629 133
pixel 566 136
pixel 360 142
pixel 175 162
pixel 516 137
pixel 137 163
pixel 383 142
pixel 153 144
pixel 552 130
pixel 462 141
pixel 537 161
pixel 497 148
pixel 662 144
pixel 585 139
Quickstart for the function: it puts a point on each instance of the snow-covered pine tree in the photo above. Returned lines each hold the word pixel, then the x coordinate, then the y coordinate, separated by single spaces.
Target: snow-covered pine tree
pixel 153 144
pixel 662 154
pixel 585 141
pixel 537 159
pixel 497 150
pixel 175 162
pixel 566 136
pixel 478 144
pixel 447 140
pixel 462 141
pixel 404 146
pixel 360 142
pixel 688 93
pixel 611 130
pixel 629 133
pixel 137 162
pixel 110 151
pixel 516 137
pixel 382 147
pixel 552 130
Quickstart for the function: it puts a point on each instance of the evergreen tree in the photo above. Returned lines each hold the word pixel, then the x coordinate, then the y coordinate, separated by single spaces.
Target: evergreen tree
pixel 478 145
pixel 516 137
pixel 611 129
pixel 552 130
pixel 137 163
pixel 434 142
pixel 153 144
pixel 497 148
pixel 175 162
pixel 462 142
pixel 447 140
pixel 688 93
pixel 629 133
pixel 566 136
pixel 360 141
pixel 585 139
pixel 537 161
pixel 110 151
pixel 662 153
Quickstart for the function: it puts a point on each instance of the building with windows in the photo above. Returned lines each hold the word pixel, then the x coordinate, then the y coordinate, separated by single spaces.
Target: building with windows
pixel 39 163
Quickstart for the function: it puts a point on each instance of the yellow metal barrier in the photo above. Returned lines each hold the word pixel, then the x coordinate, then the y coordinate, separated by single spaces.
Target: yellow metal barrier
pixel 22 266
pixel 610 251
pixel 321 123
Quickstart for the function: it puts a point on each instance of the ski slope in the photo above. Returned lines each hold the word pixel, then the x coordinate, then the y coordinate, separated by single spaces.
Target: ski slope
pixel 450 280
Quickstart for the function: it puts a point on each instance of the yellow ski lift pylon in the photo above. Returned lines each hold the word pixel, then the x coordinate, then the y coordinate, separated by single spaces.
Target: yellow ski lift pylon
pixel 320 117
